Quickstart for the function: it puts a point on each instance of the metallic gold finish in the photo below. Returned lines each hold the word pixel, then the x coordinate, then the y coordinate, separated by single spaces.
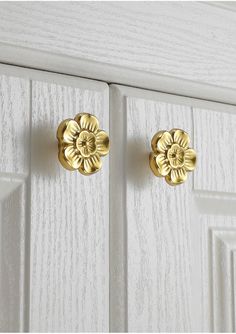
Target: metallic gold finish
pixel 171 157
pixel 81 144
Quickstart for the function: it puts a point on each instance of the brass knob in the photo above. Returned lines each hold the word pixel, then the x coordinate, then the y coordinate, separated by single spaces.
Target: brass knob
pixel 171 157
pixel 81 144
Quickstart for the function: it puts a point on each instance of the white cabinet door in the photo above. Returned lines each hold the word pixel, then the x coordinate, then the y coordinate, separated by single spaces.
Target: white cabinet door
pixel 173 248
pixel 54 270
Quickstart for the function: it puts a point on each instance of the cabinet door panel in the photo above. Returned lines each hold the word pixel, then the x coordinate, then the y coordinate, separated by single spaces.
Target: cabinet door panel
pixel 158 230
pixel 69 220
pixel 177 242
pixel 54 222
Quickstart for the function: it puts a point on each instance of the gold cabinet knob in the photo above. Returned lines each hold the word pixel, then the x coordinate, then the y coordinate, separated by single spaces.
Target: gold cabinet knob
pixel 81 144
pixel 171 156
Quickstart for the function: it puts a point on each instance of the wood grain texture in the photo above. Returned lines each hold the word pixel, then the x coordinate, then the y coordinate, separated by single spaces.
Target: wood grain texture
pixel 194 40
pixel 215 143
pixel 216 282
pixel 158 227
pixel 13 262
pixel 223 244
pixel 177 243
pixel 14 125
pixel 61 282
pixel 14 167
pixel 69 220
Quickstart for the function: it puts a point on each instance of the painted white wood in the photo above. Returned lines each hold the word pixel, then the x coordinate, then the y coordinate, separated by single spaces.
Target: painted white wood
pixel 223 243
pixel 190 40
pixel 216 238
pixel 13 260
pixel 14 125
pixel 230 5
pixel 69 220
pixel 112 74
pixel 215 142
pixel 14 167
pixel 178 276
pixel 158 229
pixel 63 215
pixel 167 256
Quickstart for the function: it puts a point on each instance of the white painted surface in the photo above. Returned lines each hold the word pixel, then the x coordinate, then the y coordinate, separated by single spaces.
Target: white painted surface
pixel 190 40
pixel 215 138
pixel 59 279
pixel 158 229
pixel 177 276
pixel 111 74
pixel 14 168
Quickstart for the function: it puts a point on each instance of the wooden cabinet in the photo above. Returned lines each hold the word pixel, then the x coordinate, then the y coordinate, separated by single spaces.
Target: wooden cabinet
pixel 171 250
pixel 120 250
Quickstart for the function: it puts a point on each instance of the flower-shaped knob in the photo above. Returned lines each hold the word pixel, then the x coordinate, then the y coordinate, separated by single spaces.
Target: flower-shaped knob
pixel 171 157
pixel 81 144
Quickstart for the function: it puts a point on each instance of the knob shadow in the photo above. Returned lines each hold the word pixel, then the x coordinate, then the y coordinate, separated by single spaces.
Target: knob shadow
pixel 138 170
pixel 44 150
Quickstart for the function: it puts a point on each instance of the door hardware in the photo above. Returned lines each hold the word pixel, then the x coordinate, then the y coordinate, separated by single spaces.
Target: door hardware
pixel 171 156
pixel 81 144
